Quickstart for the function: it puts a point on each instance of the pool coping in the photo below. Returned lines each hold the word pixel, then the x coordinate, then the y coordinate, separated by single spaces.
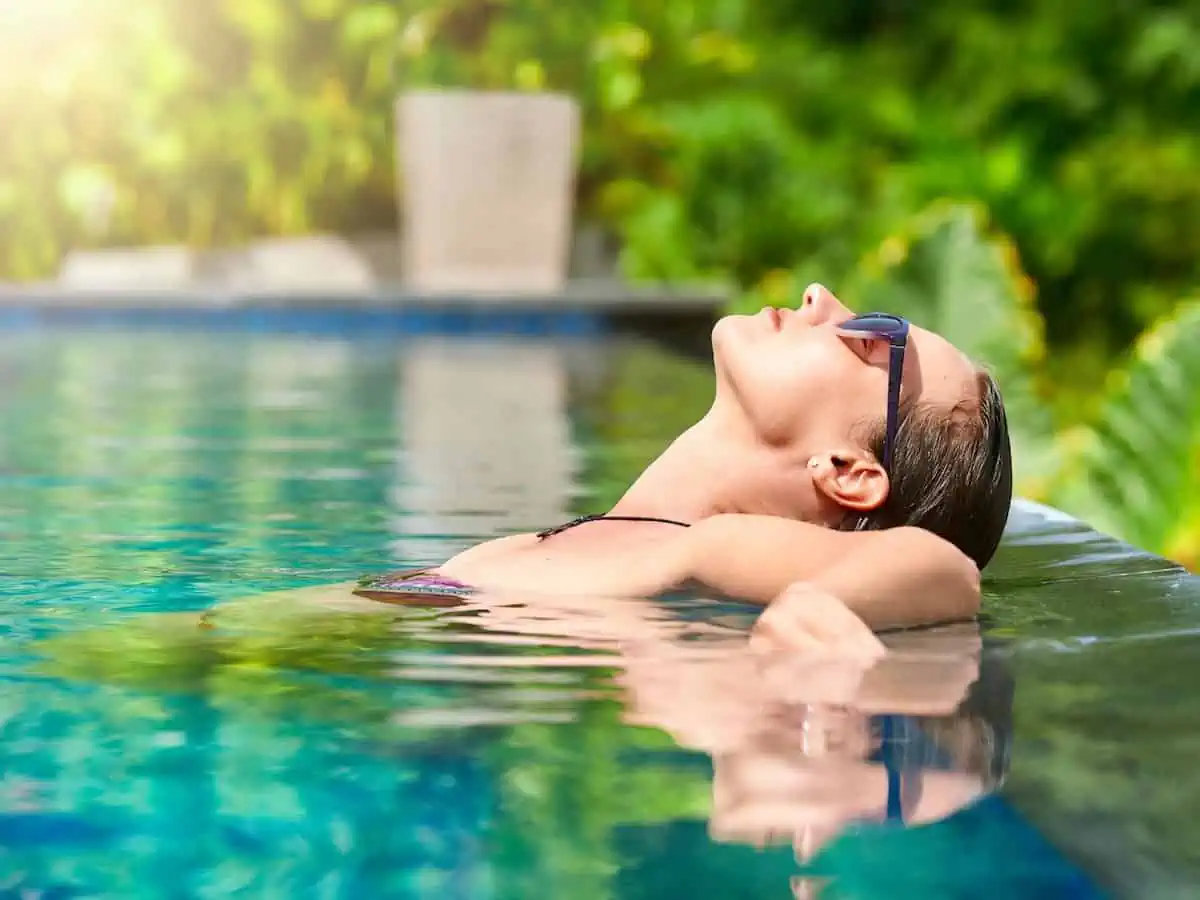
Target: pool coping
pixel 1089 846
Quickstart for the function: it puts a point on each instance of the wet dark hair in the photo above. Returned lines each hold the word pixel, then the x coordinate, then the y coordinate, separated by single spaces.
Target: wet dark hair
pixel 978 735
pixel 951 472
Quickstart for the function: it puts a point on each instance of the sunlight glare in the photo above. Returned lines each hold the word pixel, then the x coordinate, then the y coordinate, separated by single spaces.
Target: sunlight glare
pixel 22 20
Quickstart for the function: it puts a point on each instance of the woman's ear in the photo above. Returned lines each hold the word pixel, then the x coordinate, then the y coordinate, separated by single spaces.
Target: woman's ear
pixel 851 478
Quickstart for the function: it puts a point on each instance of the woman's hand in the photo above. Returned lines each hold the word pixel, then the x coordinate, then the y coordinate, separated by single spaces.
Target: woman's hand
pixel 806 619
pixel 806 648
pixel 813 648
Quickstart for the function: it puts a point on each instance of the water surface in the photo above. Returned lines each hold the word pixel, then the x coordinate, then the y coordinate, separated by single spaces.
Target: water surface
pixel 511 751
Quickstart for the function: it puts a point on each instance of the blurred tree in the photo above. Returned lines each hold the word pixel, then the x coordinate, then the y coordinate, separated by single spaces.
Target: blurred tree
pixel 1135 471
pixel 723 138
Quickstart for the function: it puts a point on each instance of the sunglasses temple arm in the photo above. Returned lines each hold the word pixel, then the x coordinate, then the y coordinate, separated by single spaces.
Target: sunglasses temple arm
pixel 895 365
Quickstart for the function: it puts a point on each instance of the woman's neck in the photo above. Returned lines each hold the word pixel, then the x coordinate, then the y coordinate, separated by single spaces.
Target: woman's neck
pixel 697 476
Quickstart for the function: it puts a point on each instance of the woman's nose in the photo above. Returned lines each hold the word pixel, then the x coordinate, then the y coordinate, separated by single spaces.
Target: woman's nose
pixel 821 306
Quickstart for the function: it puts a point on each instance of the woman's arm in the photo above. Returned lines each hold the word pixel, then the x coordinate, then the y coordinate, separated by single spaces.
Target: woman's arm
pixel 894 577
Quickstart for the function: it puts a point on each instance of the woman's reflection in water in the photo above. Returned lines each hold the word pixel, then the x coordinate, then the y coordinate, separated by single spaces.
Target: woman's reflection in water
pixel 806 747
pixel 811 730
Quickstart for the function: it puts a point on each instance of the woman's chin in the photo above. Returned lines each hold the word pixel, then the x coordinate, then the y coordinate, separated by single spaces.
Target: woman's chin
pixel 727 332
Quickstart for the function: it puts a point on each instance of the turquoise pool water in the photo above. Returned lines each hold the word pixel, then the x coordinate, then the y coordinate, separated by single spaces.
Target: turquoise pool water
pixel 291 750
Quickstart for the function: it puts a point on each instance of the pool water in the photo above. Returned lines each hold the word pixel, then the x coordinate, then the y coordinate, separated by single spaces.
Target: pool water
pixel 283 749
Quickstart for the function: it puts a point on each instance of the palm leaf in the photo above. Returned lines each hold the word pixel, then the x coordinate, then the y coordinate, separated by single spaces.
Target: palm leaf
pixel 946 273
pixel 1136 472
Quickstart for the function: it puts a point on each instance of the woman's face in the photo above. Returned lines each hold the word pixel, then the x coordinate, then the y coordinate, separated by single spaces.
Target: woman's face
pixel 802 386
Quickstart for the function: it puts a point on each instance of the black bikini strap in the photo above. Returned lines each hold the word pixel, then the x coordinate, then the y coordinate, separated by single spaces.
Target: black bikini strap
pixel 582 520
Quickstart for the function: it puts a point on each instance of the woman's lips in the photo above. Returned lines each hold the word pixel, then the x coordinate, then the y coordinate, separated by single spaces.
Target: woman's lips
pixel 774 316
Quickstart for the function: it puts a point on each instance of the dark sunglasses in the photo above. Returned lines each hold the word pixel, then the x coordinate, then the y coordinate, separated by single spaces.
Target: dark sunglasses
pixel 895 330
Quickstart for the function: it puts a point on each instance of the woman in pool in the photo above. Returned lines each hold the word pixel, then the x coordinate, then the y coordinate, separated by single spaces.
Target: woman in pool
pixel 856 454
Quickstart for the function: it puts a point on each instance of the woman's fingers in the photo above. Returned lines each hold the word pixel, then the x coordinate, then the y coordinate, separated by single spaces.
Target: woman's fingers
pixel 806 619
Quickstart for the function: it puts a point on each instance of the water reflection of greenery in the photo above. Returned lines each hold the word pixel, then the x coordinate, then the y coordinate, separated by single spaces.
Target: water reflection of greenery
pixel 649 397
pixel 1106 741
pixel 274 657
pixel 560 788
pixel 562 792
pixel 231 453
pixel 184 477
pixel 256 657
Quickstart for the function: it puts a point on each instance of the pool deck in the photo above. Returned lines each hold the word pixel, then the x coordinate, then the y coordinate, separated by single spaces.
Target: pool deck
pixel 596 296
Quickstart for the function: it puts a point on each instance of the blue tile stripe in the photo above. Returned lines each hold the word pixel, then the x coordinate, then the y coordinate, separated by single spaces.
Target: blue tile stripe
pixel 314 319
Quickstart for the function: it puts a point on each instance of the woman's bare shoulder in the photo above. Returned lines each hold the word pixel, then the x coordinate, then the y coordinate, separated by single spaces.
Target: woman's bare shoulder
pixel 488 550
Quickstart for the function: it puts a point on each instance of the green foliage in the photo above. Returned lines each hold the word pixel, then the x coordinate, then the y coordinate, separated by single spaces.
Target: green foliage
pixel 1136 471
pixel 744 200
pixel 722 137
pixel 650 395
pixel 196 123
